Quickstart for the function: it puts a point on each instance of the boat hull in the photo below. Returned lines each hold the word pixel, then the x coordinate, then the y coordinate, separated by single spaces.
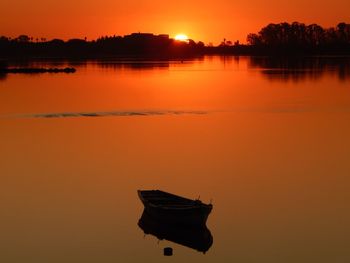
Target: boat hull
pixel 195 214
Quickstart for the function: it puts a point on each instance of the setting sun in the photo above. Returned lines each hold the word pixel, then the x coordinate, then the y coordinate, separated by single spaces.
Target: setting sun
pixel 181 37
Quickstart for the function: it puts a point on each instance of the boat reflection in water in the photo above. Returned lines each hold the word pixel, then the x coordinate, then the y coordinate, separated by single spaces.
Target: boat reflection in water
pixel 177 219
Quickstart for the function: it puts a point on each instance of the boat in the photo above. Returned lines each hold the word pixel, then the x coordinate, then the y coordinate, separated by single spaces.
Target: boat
pixel 197 238
pixel 174 209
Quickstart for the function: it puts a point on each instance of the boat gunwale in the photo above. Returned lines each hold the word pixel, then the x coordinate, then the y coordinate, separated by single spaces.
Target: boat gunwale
pixel 195 204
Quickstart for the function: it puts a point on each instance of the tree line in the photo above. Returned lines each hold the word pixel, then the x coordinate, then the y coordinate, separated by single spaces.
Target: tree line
pixel 273 39
pixel 300 35
pixel 136 44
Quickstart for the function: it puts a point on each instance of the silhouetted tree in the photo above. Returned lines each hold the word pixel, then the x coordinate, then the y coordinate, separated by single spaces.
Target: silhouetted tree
pixel 200 44
pixel 23 39
pixel 254 39
pixel 4 39
pixel 298 36
pixel 315 35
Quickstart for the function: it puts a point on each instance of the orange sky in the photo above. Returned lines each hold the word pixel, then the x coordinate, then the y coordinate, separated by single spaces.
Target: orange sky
pixel 209 21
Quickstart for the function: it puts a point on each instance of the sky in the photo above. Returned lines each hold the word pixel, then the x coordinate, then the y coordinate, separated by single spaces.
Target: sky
pixel 208 21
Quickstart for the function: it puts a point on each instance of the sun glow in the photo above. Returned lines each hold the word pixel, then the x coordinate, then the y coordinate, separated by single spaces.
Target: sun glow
pixel 181 37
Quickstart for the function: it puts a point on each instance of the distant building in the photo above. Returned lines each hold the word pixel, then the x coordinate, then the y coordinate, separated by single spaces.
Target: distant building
pixel 146 36
pixel 164 36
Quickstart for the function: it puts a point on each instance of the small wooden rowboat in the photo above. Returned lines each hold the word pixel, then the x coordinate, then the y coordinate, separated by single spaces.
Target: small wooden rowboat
pixel 174 209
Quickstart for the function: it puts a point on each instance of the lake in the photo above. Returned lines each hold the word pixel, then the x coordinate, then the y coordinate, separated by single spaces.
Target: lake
pixel 265 141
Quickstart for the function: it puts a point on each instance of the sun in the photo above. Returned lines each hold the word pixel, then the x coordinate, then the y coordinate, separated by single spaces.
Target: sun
pixel 181 37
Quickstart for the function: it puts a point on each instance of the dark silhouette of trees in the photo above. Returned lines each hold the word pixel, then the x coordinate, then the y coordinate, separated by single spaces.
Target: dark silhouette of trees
pixel 273 39
pixel 136 44
pixel 23 39
pixel 298 37
pixel 254 39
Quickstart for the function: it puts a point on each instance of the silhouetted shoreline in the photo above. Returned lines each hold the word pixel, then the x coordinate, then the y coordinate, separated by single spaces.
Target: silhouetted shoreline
pixel 281 39
pixel 25 70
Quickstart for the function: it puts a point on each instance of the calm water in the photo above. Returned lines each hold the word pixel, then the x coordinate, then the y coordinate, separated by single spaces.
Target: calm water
pixel 267 141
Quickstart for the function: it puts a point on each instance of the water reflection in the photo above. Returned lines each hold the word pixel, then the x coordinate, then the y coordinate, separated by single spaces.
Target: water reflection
pixel 279 181
pixel 117 63
pixel 112 113
pixel 103 63
pixel 129 64
pixel 2 76
pixel 227 60
pixel 301 69
pixel 197 238
pixel 135 65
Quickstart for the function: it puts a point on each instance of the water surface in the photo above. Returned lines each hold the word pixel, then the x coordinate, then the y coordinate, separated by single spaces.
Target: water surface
pixel 266 141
